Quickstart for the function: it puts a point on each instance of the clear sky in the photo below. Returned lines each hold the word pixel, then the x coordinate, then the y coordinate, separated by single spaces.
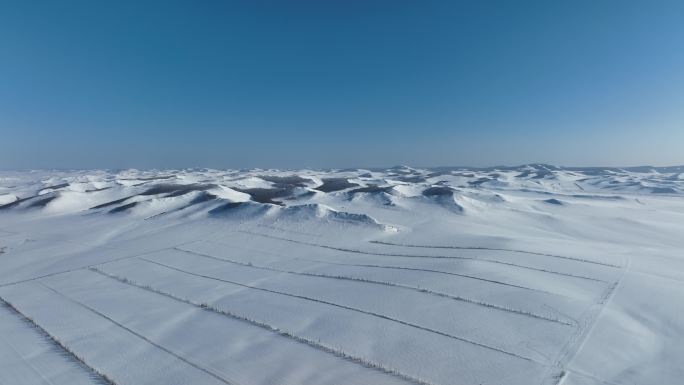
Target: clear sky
pixel 323 83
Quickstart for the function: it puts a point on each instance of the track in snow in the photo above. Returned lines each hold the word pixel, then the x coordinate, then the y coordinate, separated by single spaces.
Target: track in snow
pixel 142 337
pixel 209 307
pixel 378 315
pixel 498 249
pixel 97 376
pixel 385 283
pixel 485 260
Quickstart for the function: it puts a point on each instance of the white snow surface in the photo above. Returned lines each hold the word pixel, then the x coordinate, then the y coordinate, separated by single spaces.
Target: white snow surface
pixel 524 275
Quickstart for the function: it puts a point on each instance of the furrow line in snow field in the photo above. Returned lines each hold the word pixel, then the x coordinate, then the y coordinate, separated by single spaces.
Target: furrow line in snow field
pixel 493 261
pixel 575 346
pixel 317 345
pixel 432 271
pixel 378 315
pixel 176 355
pixel 497 249
pixel 43 276
pixel 85 267
pixel 95 374
pixel 386 283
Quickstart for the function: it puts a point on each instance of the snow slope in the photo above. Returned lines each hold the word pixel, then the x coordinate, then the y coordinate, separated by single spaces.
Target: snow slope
pixel 534 274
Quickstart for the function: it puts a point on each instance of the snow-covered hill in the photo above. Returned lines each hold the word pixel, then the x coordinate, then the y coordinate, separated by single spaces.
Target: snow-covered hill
pixel 508 275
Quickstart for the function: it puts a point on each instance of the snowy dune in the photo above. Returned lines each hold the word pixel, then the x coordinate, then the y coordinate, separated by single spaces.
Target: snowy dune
pixel 512 275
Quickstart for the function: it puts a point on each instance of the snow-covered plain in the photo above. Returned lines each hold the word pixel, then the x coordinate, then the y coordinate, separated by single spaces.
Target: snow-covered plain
pixel 511 275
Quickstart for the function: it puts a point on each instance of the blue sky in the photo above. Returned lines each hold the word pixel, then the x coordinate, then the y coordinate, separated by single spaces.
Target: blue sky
pixel 234 84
